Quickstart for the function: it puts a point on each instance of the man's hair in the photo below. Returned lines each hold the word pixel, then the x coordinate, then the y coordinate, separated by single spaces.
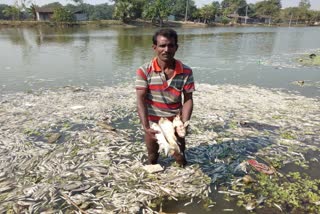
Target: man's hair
pixel 165 32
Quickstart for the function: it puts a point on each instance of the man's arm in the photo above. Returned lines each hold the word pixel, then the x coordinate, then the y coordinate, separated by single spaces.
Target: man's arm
pixel 142 107
pixel 187 107
pixel 143 112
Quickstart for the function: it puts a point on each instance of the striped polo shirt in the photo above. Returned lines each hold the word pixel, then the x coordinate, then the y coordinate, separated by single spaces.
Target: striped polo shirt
pixel 164 96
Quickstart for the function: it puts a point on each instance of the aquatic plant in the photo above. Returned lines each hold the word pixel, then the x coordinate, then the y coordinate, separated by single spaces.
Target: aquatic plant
pixel 292 192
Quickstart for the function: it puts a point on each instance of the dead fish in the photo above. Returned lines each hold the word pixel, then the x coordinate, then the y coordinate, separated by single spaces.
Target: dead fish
pixel 242 167
pixel 251 205
pixel 106 126
pixel 277 206
pixel 169 133
pixel 248 179
pixel 232 192
pixel 161 139
pixel 76 107
pixel 180 127
pixel 54 137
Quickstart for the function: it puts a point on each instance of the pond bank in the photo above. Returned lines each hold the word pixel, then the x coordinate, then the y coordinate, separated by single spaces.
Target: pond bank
pixel 132 23
pixel 59 154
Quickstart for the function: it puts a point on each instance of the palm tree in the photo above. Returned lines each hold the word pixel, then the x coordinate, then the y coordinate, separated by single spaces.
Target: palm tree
pixel 32 11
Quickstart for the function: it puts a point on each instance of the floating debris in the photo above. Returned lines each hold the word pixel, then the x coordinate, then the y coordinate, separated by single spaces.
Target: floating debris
pixel 312 59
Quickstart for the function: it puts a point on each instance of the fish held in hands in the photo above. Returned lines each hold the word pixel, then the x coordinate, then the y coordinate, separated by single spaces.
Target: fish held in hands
pixel 179 126
pixel 166 137
pixel 161 140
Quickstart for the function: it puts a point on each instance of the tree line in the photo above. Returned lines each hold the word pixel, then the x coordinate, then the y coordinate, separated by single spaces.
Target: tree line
pixel 159 10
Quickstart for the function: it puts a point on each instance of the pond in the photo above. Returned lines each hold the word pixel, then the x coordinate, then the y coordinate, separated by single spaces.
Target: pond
pixel 223 59
pixel 264 56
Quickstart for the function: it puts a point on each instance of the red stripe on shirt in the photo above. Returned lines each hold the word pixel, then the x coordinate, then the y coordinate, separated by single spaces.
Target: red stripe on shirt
pixel 187 71
pixel 173 91
pixel 156 87
pixel 189 86
pixel 164 105
pixel 141 74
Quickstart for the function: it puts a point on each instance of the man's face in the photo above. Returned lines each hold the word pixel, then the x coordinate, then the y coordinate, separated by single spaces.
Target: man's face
pixel 165 48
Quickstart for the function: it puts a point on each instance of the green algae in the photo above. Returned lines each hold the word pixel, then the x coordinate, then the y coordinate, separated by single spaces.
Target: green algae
pixel 293 192
pixel 308 60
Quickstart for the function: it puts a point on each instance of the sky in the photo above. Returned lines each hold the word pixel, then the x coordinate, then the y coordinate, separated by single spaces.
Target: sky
pixel 315 4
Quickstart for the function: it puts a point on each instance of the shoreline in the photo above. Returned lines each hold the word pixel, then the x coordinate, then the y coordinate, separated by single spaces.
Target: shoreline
pixel 135 23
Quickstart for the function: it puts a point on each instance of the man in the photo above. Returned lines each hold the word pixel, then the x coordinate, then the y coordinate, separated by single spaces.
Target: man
pixel 160 85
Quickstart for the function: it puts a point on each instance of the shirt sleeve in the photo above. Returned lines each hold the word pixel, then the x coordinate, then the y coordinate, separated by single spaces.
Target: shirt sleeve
pixel 141 79
pixel 189 84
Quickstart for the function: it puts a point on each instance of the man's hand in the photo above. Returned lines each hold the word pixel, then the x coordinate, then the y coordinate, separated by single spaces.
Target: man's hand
pixel 151 133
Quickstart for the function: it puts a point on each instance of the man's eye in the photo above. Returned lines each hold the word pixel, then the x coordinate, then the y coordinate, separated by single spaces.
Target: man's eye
pixel 169 46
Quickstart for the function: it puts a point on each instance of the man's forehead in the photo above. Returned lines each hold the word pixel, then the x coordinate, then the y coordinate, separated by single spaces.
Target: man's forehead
pixel 163 39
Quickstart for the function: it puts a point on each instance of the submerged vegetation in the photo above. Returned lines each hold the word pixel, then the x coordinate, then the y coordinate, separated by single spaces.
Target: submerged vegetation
pixel 81 149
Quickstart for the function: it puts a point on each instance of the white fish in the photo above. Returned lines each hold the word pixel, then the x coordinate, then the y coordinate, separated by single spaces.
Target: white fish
pixel 161 140
pixel 179 126
pixel 76 107
pixel 277 206
pixel 168 131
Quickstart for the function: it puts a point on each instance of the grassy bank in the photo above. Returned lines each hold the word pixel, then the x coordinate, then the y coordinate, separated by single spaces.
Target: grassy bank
pixel 6 23
pixel 133 23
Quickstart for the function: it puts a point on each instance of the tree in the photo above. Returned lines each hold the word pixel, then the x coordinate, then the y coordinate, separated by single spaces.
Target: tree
pixel 157 10
pixel 52 5
pixel 305 4
pixel 60 14
pixel 12 12
pixel 178 8
pixel 32 11
pixel 233 7
pixel 208 12
pixel 3 7
pixel 269 8
pixel 101 12
pixel 123 10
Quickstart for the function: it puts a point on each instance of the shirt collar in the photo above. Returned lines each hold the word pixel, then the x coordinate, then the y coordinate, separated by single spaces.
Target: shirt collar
pixel 177 70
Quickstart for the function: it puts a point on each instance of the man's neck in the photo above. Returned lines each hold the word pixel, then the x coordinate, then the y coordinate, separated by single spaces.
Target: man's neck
pixel 166 65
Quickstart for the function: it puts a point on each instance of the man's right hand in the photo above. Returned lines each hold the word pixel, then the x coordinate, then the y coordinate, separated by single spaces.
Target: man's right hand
pixel 151 133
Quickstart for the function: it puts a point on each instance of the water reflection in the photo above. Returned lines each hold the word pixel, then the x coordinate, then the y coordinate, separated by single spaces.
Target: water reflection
pixel 47 35
pixel 131 46
pixel 107 56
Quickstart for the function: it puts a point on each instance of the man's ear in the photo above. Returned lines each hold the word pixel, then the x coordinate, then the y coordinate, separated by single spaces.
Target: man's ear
pixel 186 123
pixel 154 46
pixel 177 46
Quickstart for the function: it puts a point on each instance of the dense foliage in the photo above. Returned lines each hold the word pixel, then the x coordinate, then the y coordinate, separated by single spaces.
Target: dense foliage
pixel 60 14
pixel 159 10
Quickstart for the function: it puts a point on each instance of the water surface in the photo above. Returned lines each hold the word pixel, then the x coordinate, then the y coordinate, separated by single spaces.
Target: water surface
pixel 32 58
